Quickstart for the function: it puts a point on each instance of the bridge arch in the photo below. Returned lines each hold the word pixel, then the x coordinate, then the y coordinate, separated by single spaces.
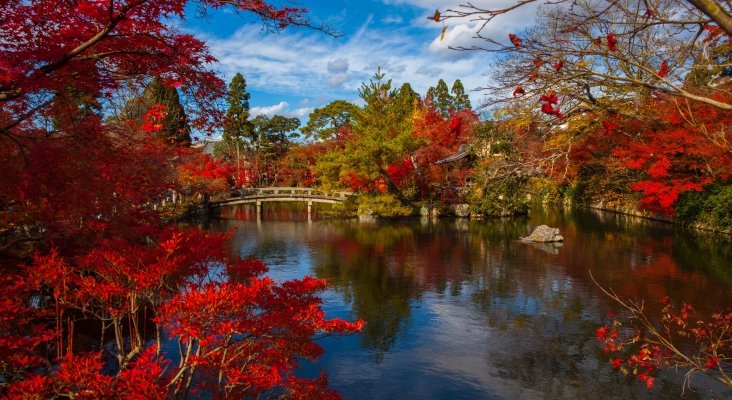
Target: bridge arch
pixel 283 194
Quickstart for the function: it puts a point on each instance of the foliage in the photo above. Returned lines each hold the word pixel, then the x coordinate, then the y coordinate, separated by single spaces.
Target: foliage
pixel 543 190
pixel 238 322
pixel 682 339
pixel 161 95
pixel 439 97
pixel 326 122
pixel 685 151
pixel 383 205
pixel 268 146
pixel 380 136
pixel 711 208
pixel 583 49
pixel 237 126
pixel 461 100
pixel 298 163
pixel 408 97
pixel 615 159
pixel 441 138
pixel 499 181
pixel 500 199
pixel 394 144
pixel 92 279
pixel 201 173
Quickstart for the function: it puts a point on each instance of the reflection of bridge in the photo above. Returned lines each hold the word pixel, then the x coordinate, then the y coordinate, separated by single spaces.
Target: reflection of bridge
pixel 283 194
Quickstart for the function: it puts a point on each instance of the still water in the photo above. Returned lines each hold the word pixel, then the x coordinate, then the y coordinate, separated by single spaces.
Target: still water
pixel 458 309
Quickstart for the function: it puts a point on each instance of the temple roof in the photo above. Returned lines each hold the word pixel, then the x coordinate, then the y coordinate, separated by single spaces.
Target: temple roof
pixel 461 153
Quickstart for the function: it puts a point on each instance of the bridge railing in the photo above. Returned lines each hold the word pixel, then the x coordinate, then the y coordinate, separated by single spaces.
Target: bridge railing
pixel 293 191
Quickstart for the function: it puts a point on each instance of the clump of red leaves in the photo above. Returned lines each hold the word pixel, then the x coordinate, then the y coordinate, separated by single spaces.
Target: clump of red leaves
pixel 681 339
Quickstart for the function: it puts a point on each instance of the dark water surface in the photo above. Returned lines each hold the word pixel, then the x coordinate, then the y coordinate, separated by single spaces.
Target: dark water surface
pixel 459 309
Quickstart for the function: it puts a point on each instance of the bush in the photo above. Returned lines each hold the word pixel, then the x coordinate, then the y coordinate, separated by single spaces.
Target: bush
pixel 543 191
pixel 383 205
pixel 501 199
pixel 711 208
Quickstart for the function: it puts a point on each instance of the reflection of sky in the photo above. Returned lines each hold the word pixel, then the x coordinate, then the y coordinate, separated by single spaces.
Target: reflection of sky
pixel 511 321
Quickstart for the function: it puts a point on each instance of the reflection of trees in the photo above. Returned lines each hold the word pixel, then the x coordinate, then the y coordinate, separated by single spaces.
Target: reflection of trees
pixel 366 265
pixel 537 311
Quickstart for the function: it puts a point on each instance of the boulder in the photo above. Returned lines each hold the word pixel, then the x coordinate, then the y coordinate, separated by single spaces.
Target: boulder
pixel 544 234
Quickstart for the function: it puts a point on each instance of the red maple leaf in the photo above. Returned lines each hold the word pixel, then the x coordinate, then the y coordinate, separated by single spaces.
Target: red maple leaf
pixel 663 72
pixel 612 42
pixel 515 40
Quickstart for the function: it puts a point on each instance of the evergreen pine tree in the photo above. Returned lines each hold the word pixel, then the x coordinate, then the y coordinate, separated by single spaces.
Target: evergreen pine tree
pixel 325 123
pixel 430 96
pixel 407 96
pixel 382 133
pixel 442 100
pixel 238 128
pixel 175 128
pixel 461 101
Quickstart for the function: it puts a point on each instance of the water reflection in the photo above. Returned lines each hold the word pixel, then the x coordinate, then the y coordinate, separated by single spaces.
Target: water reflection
pixel 461 309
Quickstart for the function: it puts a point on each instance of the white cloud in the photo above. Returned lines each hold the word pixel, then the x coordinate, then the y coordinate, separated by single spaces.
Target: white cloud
pixel 272 64
pixel 302 112
pixel 459 36
pixel 430 71
pixel 392 19
pixel 281 108
pixel 337 80
pixel 291 62
pixel 269 111
pixel 338 66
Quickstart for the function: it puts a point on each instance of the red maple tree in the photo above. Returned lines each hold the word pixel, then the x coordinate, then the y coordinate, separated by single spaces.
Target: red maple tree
pixel 93 282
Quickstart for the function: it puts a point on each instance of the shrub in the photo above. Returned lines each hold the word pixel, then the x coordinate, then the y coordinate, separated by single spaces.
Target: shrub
pixel 383 205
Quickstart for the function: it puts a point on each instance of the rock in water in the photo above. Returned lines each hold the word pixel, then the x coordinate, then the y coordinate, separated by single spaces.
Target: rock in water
pixel 544 234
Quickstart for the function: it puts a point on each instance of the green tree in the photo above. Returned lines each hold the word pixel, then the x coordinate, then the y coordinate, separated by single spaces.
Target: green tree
pixel 270 142
pixel 273 132
pixel 237 126
pixel 408 96
pixel 175 128
pixel 326 122
pixel 441 99
pixel 461 101
pixel 382 134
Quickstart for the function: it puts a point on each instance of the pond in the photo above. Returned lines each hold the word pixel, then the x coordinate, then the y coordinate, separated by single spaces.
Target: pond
pixel 459 309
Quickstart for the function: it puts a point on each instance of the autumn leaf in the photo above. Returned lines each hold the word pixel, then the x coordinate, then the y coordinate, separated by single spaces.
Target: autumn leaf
pixel 442 35
pixel 608 126
pixel 663 72
pixel 435 17
pixel 550 97
pixel 612 42
pixel 519 91
pixel 515 40
pixel 558 65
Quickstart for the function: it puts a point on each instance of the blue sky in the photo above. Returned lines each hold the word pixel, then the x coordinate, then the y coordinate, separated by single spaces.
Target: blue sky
pixel 296 70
